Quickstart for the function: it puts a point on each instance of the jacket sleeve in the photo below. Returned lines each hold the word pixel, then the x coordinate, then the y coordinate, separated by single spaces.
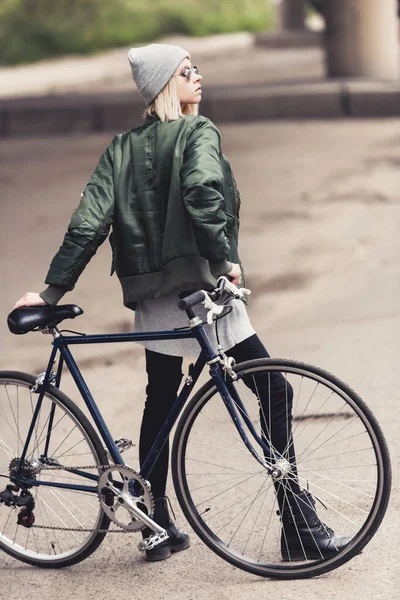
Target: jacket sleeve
pixel 89 227
pixel 202 185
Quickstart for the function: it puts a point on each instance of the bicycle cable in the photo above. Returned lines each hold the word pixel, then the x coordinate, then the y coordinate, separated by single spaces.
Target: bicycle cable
pixel 70 331
pixel 230 309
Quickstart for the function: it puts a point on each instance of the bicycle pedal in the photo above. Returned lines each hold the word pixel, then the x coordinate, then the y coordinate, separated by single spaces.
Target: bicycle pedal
pixel 123 444
pixel 152 541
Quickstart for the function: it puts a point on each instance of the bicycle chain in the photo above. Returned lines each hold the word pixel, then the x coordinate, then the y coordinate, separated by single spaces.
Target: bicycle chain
pixel 81 529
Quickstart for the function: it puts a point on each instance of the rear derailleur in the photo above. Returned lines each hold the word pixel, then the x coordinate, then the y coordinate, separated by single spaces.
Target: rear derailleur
pixel 25 500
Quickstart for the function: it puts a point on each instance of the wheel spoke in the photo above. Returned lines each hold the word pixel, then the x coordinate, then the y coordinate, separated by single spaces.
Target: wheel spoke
pixel 62 428
pixel 321 427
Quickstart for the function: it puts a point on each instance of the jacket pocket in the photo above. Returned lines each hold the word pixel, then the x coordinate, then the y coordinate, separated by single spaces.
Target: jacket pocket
pixel 114 253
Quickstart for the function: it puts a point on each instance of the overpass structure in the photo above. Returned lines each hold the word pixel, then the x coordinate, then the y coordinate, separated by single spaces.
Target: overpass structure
pixel 361 37
pixel 362 64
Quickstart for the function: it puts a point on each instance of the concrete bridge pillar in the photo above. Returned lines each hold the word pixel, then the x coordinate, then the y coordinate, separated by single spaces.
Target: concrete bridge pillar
pixel 292 14
pixel 362 38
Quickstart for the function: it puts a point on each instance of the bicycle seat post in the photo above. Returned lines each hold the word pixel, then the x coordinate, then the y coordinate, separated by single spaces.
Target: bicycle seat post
pixel 54 331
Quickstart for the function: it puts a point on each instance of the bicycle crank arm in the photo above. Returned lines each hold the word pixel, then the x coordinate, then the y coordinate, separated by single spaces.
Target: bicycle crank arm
pixel 126 501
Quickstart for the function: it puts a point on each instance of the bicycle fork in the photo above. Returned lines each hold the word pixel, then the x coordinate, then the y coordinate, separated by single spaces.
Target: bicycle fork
pixel 278 467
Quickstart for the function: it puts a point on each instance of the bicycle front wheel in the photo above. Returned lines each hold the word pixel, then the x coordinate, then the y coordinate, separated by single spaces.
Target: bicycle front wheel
pixel 66 522
pixel 230 500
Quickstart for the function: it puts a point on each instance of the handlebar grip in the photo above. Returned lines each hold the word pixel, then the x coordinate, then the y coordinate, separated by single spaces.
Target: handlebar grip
pixel 191 300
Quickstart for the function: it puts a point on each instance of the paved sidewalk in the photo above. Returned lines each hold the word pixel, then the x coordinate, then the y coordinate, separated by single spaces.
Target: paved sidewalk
pixel 246 77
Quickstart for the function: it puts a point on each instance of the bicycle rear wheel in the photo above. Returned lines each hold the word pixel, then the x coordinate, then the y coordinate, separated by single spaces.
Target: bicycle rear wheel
pixel 66 524
pixel 228 497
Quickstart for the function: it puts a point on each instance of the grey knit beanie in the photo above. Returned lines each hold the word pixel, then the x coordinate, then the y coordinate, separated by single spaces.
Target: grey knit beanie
pixel 153 66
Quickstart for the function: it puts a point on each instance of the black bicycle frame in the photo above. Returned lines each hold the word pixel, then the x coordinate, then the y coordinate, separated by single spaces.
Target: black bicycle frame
pixel 207 355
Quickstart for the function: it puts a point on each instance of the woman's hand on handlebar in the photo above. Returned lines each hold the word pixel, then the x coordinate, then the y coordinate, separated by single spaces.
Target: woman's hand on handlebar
pixel 30 299
pixel 235 274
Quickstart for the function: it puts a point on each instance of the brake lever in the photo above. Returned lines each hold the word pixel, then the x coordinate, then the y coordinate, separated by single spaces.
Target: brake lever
pixel 214 309
pixel 221 283
pixel 239 293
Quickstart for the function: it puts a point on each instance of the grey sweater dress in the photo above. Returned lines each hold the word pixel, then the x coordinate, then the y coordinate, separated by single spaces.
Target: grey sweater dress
pixel 162 314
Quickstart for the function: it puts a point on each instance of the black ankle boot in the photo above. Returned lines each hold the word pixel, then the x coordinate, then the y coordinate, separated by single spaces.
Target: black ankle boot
pixel 177 540
pixel 304 536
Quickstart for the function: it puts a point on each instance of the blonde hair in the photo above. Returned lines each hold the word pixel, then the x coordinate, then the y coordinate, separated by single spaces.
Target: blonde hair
pixel 167 105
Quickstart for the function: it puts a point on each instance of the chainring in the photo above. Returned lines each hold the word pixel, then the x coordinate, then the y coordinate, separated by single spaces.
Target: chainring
pixel 117 480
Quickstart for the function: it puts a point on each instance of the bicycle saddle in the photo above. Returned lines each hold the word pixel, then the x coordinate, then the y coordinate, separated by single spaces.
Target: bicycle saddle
pixel 28 318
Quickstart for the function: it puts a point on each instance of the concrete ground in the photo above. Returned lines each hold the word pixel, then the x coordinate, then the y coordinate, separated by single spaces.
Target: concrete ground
pixel 320 244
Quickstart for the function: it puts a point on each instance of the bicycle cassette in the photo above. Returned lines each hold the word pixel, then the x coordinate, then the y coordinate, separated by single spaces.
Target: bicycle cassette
pixel 115 484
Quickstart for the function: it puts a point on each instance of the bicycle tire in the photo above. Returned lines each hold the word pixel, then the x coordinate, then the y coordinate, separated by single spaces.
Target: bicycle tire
pixel 77 440
pixel 206 420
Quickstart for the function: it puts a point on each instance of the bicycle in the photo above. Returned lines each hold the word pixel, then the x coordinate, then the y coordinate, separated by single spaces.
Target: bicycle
pixel 67 482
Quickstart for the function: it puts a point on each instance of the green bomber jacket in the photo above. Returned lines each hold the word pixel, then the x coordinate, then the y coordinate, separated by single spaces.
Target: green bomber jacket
pixel 169 196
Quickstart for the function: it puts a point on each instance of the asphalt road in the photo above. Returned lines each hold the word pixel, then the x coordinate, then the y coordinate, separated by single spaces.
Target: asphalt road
pixel 320 243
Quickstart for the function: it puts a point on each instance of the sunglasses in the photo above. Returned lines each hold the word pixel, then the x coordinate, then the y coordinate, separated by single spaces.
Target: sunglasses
pixel 187 72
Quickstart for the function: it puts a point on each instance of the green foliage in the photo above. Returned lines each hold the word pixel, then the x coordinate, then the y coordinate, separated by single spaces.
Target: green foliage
pixel 34 29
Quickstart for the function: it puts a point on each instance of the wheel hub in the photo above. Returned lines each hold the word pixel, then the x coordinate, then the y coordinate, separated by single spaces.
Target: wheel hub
pixel 282 469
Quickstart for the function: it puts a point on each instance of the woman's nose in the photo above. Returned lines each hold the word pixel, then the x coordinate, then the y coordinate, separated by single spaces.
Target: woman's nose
pixel 198 77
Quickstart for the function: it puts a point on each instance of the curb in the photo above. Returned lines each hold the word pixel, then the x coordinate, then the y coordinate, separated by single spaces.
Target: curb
pixel 289 38
pixel 223 104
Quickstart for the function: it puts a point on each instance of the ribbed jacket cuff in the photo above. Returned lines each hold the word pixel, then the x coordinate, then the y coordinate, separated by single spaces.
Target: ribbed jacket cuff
pixel 220 267
pixel 53 294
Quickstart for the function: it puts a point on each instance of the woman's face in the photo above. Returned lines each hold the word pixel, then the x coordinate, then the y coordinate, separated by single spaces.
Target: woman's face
pixel 189 89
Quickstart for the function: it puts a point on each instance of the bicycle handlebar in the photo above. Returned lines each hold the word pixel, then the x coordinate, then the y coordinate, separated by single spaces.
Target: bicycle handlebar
pixel 192 300
pixel 200 295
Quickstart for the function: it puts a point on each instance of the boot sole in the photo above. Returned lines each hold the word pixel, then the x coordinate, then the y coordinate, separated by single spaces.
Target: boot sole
pixel 155 558
pixel 184 546
pixel 172 549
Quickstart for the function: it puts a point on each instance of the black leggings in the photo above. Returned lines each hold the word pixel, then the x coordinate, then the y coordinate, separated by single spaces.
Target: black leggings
pixel 164 378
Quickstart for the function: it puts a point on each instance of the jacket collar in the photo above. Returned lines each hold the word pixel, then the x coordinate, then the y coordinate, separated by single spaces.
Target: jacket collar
pixel 148 120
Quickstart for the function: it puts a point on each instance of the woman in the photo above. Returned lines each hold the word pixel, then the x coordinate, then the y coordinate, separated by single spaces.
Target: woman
pixel 171 199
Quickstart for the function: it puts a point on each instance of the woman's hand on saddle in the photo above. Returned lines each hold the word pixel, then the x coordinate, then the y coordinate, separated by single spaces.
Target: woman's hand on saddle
pixel 235 274
pixel 30 299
